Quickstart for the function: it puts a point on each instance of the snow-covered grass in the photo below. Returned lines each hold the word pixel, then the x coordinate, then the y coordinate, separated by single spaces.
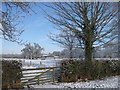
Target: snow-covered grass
pixel 93 58
pixel 37 63
pixel 110 82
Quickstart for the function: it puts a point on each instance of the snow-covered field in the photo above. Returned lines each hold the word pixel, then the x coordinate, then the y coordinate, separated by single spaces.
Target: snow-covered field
pixel 37 63
pixel 111 82
pixel 42 63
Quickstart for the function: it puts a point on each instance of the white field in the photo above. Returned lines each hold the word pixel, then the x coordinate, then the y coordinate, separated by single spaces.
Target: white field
pixel 111 82
pixel 37 63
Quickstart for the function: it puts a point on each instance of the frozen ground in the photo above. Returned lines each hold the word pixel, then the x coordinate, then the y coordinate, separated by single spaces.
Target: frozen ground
pixel 111 82
pixel 37 63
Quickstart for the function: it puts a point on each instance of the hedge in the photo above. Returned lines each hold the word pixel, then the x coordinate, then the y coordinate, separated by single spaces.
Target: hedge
pixel 73 70
pixel 11 73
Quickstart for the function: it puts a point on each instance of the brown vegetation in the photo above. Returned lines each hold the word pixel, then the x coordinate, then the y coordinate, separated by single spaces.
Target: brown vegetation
pixel 72 71
pixel 11 74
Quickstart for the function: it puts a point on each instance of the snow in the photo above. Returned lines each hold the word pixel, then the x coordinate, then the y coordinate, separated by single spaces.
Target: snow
pixel 37 63
pixel 110 82
pixel 42 63
pixel 28 67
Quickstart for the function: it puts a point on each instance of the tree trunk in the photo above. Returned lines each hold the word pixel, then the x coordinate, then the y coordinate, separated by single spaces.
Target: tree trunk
pixel 70 54
pixel 88 51
pixel 88 58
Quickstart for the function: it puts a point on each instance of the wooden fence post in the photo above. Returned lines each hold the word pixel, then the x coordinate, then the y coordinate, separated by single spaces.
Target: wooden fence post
pixel 38 80
pixel 53 74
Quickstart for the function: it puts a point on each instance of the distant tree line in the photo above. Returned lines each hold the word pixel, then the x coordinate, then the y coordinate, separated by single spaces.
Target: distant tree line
pixel 11 55
pixel 107 52
pixel 34 52
pixel 76 53
pixel 28 52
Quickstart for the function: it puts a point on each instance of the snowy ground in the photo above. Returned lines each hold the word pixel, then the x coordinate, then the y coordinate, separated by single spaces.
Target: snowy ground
pixel 37 63
pixel 111 82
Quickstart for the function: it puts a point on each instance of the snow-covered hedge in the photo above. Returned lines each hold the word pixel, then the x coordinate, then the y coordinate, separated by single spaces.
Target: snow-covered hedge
pixel 11 73
pixel 74 70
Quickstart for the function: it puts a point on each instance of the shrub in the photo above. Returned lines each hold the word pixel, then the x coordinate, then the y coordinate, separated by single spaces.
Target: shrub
pixel 69 71
pixel 72 70
pixel 11 73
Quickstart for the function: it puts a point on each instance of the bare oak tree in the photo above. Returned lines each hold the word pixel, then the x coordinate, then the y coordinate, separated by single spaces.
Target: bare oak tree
pixel 13 14
pixel 91 22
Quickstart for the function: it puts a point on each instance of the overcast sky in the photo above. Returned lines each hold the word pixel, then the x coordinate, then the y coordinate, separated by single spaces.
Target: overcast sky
pixel 37 28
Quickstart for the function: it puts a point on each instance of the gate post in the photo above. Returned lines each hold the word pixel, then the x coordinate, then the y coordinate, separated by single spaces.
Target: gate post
pixel 38 80
pixel 53 74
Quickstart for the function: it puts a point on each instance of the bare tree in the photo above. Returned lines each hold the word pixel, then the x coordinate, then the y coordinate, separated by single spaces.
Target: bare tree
pixel 91 22
pixel 67 39
pixel 111 51
pixel 31 51
pixel 76 53
pixel 37 50
pixel 13 14
pixel 27 51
